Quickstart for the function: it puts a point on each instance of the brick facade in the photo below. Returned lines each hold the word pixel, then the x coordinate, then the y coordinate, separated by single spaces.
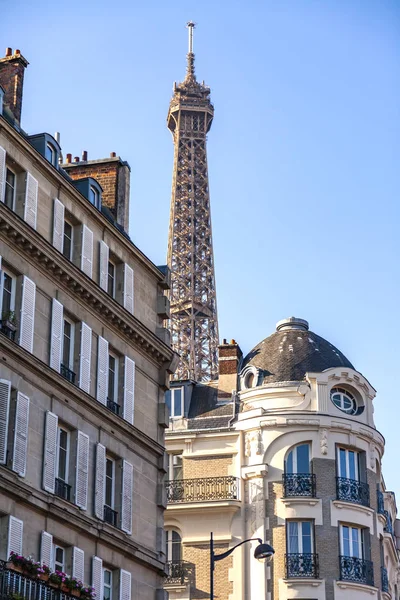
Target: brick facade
pixel 12 70
pixel 210 466
pixel 198 557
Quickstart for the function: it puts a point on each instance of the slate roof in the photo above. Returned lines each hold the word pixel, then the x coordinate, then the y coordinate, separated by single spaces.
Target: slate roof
pixel 287 355
pixel 205 413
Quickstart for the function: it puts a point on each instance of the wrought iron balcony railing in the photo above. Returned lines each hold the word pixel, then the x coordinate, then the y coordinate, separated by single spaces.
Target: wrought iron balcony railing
pixel 202 490
pixel 16 586
pixel 67 373
pixel 380 503
pixel 113 406
pixel 176 572
pixel 299 484
pixel 8 329
pixel 388 528
pixel 351 490
pixel 62 489
pixel 384 580
pixel 356 569
pixel 301 565
pixel 110 516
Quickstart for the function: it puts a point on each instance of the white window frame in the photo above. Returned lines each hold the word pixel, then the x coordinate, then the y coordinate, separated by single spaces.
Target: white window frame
pixel 53 154
pixel 108 458
pixel 111 262
pixel 347 451
pixel 72 239
pixel 116 371
pixel 70 364
pixel 300 535
pixel 13 289
pixel 342 392
pixel 108 586
pixel 59 428
pixel 1 100
pixel 170 544
pixel 172 396
pixel 172 465
pixel 55 547
pixel 360 540
pixel 293 451
pixel 14 188
pixel 93 190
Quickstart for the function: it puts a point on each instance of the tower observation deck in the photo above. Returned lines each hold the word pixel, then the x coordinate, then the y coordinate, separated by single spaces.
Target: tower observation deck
pixel 194 321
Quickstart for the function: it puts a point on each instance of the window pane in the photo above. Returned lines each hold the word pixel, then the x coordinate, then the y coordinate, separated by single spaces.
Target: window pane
pixel 111 378
pixel 168 401
pixel 176 546
pixel 293 539
pixel 356 543
pixel 177 407
pixel 306 537
pixel 67 344
pixel 177 469
pixel 109 482
pixel 7 294
pixel 62 454
pixel 67 245
pixel 342 463
pixel 303 458
pixel 352 465
pixel 10 189
pixel 289 463
pixel 346 541
pixel 111 279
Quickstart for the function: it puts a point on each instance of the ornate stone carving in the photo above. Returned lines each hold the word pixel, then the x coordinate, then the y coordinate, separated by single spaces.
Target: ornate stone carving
pixel 255 509
pixel 324 441
pixel 253 443
pixel 372 456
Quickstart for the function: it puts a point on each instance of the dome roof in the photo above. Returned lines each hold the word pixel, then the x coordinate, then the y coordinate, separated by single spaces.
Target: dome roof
pixel 292 351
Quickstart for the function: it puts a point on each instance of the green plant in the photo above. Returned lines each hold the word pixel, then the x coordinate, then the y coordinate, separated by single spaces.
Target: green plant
pixel 58 577
pixel 9 316
pixel 16 596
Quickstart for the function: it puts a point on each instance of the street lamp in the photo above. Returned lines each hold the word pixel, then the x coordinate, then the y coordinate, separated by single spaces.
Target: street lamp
pixel 263 553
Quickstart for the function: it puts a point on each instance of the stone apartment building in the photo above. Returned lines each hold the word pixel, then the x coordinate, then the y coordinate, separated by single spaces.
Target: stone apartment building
pixel 281 447
pixel 84 364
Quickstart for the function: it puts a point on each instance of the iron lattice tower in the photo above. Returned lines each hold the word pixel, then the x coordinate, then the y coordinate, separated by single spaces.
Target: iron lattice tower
pixel 194 322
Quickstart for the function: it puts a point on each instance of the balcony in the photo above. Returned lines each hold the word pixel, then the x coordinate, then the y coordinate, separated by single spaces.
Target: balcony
pixel 302 566
pixel 351 490
pixel 384 580
pixel 204 489
pixel 113 406
pixel 8 329
pixel 67 373
pixel 177 572
pixel 15 586
pixel 62 489
pixel 356 569
pixel 380 503
pixel 299 485
pixel 389 525
pixel 110 516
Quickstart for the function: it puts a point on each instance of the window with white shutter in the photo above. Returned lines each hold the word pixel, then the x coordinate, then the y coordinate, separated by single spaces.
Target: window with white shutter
pixel 20 434
pixel 2 173
pixel 102 370
pixel 87 250
pixel 50 452
pixel 128 292
pixel 5 394
pixel 126 496
pixel 129 389
pixel 124 585
pixel 56 336
pixel 58 225
pixel 46 549
pixel 31 194
pixel 85 357
pixel 100 481
pixel 15 532
pixel 104 255
pixel 78 563
pixel 97 576
pixel 82 470
pixel 27 321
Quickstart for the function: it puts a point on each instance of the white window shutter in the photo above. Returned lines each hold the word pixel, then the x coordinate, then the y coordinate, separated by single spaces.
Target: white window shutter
pixel 21 434
pixel 78 563
pixel 56 339
pixel 87 250
pixel 31 194
pixel 27 322
pixel 127 493
pixel 46 549
pixel 85 357
pixel 97 576
pixel 129 389
pixel 15 532
pixel 2 174
pixel 124 585
pixel 50 452
pixel 104 256
pixel 102 370
pixel 100 481
pixel 128 288
pixel 5 393
pixel 58 225
pixel 82 470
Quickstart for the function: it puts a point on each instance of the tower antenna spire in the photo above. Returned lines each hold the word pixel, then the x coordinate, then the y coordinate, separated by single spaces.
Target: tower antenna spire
pixel 190 55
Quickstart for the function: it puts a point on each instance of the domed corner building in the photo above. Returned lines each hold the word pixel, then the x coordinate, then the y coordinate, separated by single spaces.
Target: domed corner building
pixel 282 447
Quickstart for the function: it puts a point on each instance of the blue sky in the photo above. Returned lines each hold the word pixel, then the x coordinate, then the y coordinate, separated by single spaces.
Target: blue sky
pixel 303 152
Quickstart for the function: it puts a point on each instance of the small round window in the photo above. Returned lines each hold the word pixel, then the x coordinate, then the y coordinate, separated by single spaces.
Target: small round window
pixel 344 400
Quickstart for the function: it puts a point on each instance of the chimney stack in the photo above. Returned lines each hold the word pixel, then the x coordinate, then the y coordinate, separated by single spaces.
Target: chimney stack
pixel 84 156
pixel 12 70
pixel 230 355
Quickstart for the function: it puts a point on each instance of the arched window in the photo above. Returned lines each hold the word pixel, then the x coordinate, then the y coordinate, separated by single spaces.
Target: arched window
pixel 298 460
pixel 344 400
pixel 174 546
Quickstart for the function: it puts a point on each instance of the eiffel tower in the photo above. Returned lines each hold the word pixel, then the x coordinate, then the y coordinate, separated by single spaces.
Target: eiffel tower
pixel 194 321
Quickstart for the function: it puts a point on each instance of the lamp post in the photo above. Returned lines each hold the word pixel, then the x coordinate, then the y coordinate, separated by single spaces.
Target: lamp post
pixel 263 552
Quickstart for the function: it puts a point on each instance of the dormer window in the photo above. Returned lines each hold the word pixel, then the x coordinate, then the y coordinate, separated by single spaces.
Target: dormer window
pixel 94 196
pixel 344 400
pixel 51 154
pixel 1 100
pixel 174 399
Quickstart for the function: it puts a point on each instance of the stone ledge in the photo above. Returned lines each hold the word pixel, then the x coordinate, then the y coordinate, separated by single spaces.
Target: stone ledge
pixel 217 505
pixel 303 581
pixel 354 585
pixel 351 506
pixel 253 471
pixel 300 500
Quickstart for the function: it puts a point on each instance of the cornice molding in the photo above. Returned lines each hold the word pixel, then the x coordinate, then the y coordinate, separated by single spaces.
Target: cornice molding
pixel 55 266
